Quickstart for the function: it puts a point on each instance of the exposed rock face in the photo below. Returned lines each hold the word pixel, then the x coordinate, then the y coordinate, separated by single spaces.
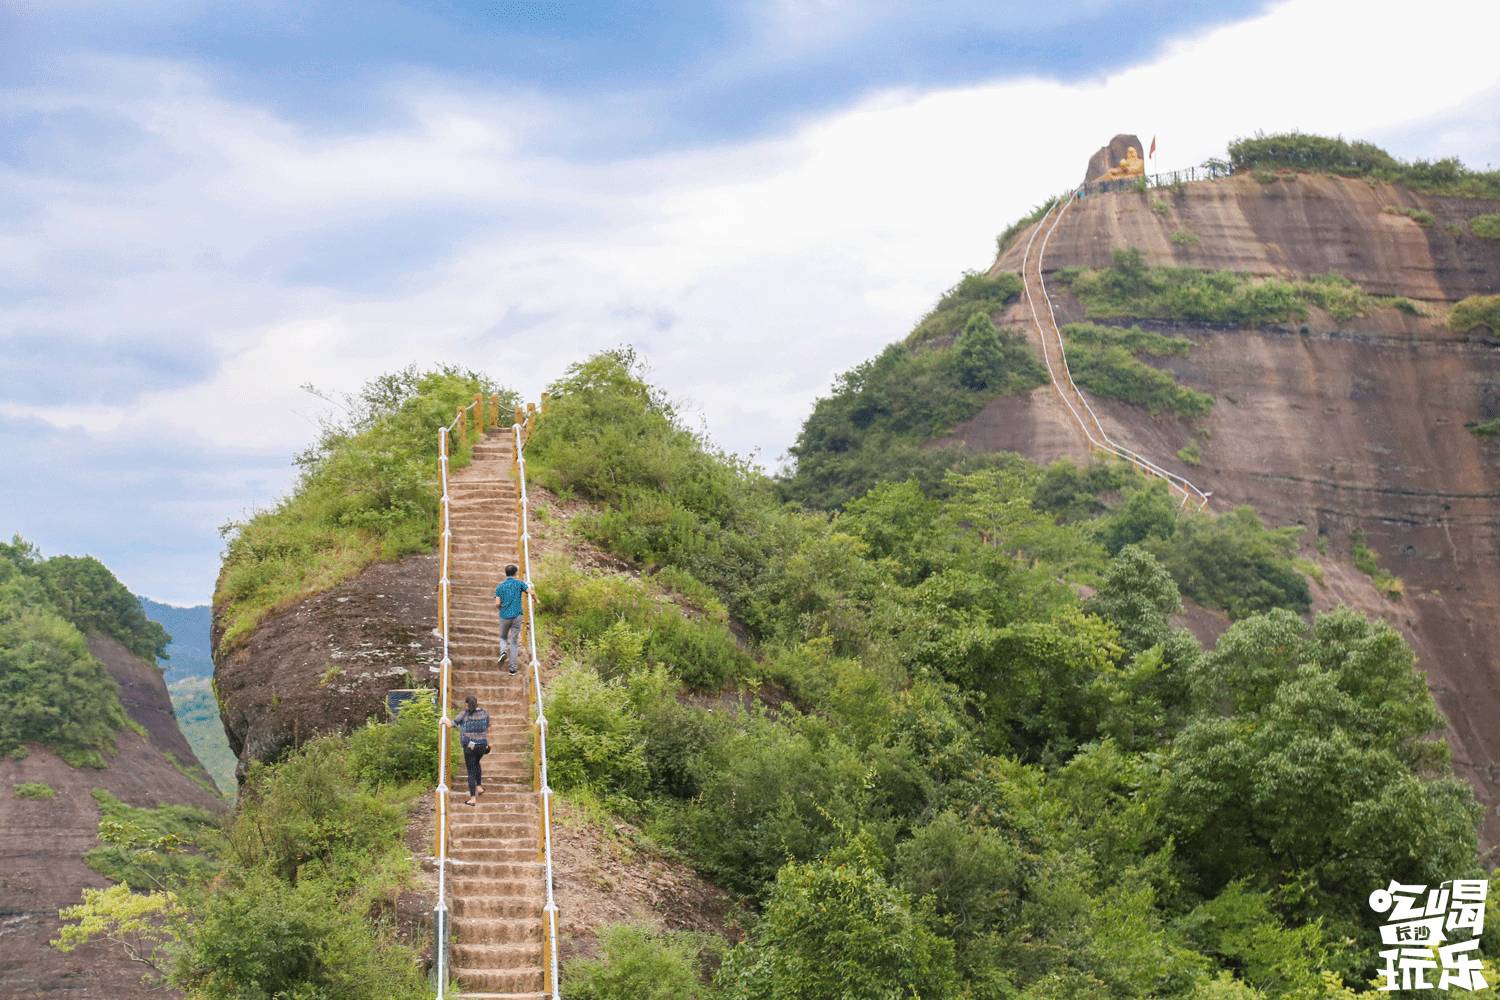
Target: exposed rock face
pixel 1108 156
pixel 325 663
pixel 42 842
pixel 1339 426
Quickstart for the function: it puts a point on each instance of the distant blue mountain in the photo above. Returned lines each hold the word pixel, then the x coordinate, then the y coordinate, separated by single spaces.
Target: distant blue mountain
pixel 191 649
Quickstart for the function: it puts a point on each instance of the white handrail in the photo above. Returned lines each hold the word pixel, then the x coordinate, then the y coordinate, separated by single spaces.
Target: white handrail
pixel 444 690
pixel 545 789
pixel 444 680
pixel 1101 440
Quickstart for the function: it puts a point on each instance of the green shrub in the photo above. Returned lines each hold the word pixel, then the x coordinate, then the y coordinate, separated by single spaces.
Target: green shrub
pixel 309 815
pixel 1243 802
pixel 1131 289
pixel 35 790
pixel 984 358
pixel 1114 372
pixel 368 490
pixel 1103 359
pixel 158 847
pixel 1485 428
pixel 1190 455
pixel 1368 563
pixel 617 626
pixel 1420 216
pixel 401 750
pixel 593 737
pixel 1475 312
pixel 1149 511
pixel 839 931
pixel 1132 339
pixel 1003 241
pixel 265 937
pixel 1320 154
pixel 1487 225
pixel 1240 928
pixel 1073 493
pixel 771 792
pixel 637 963
pixel 293 900
pixel 882 412
pixel 1234 562
pixel 1184 237
pixel 973 875
pixel 974 292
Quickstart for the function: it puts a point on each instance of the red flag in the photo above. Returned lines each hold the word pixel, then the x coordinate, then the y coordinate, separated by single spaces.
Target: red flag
pixel 1153 146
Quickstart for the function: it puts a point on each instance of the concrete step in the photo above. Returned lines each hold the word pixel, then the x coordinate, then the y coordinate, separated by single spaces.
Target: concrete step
pixel 516 872
pixel 472 859
pixel 492 832
pixel 517 982
pixel 509 956
pixel 528 895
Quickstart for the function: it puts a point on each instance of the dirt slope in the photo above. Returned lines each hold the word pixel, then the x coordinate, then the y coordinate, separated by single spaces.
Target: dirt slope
pixel 42 842
pixel 1338 426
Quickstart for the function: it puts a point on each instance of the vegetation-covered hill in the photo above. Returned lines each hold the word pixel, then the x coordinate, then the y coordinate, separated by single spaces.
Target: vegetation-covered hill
pixel 190 648
pixel 367 492
pixel 1317 153
pixel 84 720
pixel 944 773
pixel 52 689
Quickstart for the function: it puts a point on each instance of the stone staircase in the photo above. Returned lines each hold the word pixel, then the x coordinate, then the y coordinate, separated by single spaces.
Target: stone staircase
pixel 496 882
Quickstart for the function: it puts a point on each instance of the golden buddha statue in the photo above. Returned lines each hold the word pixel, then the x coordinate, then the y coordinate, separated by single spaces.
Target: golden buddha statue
pixel 1131 166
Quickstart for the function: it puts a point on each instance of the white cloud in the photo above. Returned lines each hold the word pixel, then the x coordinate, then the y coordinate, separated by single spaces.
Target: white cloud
pixel 749 273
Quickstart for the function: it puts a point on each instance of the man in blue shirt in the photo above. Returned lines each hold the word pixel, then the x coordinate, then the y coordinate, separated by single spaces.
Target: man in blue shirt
pixel 508 600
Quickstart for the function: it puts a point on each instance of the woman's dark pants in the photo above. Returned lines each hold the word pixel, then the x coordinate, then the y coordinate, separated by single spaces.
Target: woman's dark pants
pixel 472 755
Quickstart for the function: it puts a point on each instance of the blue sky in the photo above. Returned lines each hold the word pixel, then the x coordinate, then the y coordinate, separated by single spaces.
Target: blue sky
pixel 204 206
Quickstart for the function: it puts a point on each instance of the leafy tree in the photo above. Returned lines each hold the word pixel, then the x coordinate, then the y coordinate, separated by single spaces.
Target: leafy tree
pixel 89 596
pixel 1289 777
pixel 972 873
pixel 1148 512
pixel 837 930
pixel 1072 493
pixel 1139 596
pixel 985 358
pixel 1234 562
pixel 52 690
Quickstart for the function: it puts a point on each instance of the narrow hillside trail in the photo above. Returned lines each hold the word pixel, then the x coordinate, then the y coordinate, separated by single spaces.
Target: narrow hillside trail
pixel 1048 334
pixel 497 883
pixel 1055 356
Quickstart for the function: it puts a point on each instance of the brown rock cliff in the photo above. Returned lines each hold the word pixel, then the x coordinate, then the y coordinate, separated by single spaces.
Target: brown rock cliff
pixel 42 842
pixel 1354 426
